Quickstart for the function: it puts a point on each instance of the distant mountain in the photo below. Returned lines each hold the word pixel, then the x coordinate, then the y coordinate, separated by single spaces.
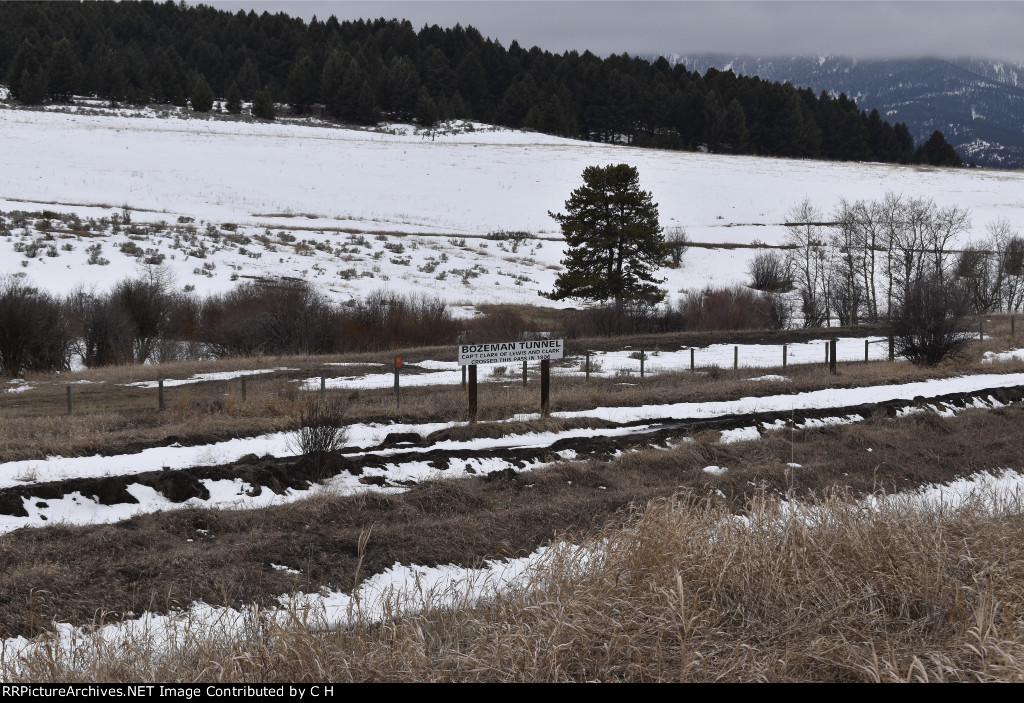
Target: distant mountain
pixel 978 105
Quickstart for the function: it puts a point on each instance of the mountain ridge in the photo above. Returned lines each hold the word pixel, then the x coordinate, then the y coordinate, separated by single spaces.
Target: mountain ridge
pixel 978 104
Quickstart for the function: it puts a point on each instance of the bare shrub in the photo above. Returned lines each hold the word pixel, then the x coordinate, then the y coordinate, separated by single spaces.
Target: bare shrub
pixel 611 320
pixel 499 324
pixel 385 320
pixel 34 333
pixel 769 271
pixel 929 324
pixel 270 317
pixel 735 308
pixel 319 426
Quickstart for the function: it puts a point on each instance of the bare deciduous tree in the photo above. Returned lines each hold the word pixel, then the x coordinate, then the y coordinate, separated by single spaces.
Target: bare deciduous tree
pixel 807 259
pixel 677 241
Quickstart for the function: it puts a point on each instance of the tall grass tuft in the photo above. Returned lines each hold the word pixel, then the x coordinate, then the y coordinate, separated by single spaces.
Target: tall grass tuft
pixel 319 426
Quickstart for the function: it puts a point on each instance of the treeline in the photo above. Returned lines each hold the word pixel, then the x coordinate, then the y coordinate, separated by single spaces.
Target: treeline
pixel 363 71
pixel 874 257
pixel 142 320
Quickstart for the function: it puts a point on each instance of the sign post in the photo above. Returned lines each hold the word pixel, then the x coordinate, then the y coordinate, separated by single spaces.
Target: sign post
pixel 472 393
pixel 542 350
pixel 545 387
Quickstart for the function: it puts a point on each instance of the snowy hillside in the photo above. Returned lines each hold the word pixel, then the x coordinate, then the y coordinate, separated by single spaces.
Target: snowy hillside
pixel 216 201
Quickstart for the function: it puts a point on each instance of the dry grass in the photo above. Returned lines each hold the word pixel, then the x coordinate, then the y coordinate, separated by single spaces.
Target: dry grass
pixel 114 419
pixel 164 560
pixel 682 591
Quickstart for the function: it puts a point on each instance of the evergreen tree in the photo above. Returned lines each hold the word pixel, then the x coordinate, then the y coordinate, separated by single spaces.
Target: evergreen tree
pixel 904 143
pixel 367 111
pixel 249 79
pixel 263 105
pixel 426 109
pixel 63 71
pixel 736 128
pixel 202 95
pixel 303 85
pixel 938 152
pixel 25 73
pixel 332 79
pixel 234 102
pixel 32 87
pixel 615 243
pixel 401 86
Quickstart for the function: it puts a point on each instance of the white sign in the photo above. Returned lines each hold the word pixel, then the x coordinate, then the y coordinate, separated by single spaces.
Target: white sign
pixel 507 352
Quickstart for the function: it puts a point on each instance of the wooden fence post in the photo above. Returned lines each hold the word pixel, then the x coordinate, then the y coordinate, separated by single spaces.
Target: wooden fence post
pixel 832 355
pixel 463 376
pixel 323 385
pixel 784 355
pixel 398 387
pixel 865 351
pixel 524 373
pixel 691 358
pixel 892 348
pixel 586 366
pixel 736 357
pixel 981 330
pixel 69 400
pixel 826 353
pixel 160 385
pixel 643 356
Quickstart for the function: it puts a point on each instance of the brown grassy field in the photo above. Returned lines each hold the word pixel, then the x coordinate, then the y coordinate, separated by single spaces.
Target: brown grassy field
pixel 677 591
pixel 162 561
pixel 681 589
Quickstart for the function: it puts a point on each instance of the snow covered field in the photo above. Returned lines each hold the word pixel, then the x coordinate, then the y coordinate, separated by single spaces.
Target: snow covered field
pixel 310 181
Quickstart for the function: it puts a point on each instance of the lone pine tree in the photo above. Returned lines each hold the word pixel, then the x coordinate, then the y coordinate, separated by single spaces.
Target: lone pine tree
pixel 615 243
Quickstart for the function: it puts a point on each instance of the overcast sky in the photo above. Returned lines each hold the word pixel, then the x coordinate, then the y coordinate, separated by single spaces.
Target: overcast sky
pixel 857 28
